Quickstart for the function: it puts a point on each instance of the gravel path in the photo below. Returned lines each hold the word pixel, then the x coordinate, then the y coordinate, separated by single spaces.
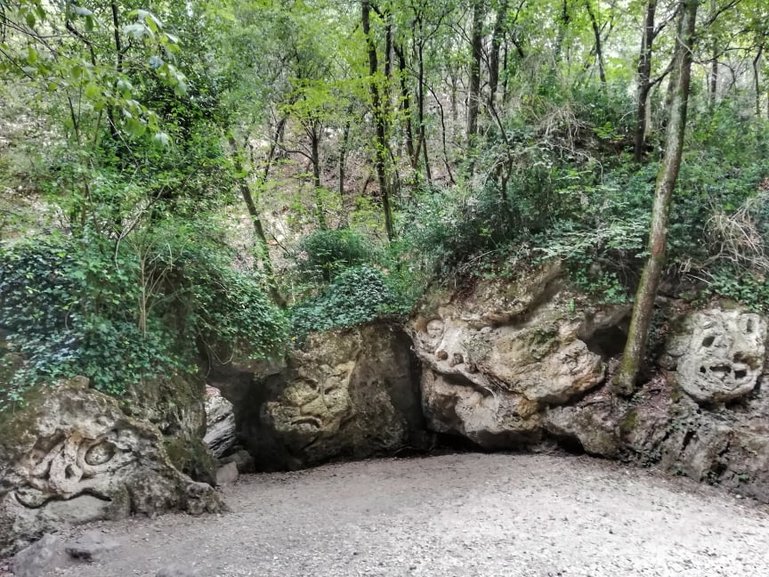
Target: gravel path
pixel 460 515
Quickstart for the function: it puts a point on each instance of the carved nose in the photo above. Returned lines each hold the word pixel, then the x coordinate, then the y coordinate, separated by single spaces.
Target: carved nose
pixel 65 472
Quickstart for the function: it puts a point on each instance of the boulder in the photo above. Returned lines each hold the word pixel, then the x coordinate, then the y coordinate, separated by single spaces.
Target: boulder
pixel 40 557
pixel 348 393
pixel 220 435
pixel 227 474
pixel 497 360
pixel 71 456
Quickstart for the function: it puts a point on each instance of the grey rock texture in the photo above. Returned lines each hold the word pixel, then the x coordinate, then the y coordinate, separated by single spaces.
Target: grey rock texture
pixel 718 355
pixel 72 456
pixel 220 435
pixel 526 364
pixel 351 393
pixel 495 362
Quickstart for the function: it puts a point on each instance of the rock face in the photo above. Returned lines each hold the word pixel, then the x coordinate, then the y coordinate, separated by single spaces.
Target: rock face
pixel 495 363
pixel 72 456
pixel 220 435
pixel 718 355
pixel 350 393
pixel 516 365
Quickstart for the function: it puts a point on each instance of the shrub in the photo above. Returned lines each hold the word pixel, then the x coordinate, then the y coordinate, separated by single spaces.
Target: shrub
pixel 326 253
pixel 81 307
pixel 356 296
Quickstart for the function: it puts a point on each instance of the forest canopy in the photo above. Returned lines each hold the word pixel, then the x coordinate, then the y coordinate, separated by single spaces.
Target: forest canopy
pixel 187 181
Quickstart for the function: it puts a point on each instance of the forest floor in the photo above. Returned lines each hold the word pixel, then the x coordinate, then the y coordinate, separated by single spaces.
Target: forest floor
pixel 462 515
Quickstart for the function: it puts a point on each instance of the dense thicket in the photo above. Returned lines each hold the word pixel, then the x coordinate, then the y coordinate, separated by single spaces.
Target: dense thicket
pixel 196 178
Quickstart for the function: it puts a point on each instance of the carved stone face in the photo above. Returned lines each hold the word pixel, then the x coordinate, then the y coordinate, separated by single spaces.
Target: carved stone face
pixel 722 356
pixel 76 457
pixel 70 464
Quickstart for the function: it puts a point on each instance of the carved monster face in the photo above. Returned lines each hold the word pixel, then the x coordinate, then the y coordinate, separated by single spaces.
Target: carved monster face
pixel 74 462
pixel 724 355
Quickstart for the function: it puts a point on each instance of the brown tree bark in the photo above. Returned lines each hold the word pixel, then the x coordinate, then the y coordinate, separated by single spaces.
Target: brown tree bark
pixel 598 41
pixel 635 348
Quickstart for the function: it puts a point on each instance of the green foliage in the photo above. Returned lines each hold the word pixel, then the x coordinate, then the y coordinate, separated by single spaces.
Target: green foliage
pixel 68 309
pixel 117 316
pixel 356 296
pixel 326 253
pixel 742 286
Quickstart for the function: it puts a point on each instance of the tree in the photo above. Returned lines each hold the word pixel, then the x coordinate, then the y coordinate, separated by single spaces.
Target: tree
pixel 635 349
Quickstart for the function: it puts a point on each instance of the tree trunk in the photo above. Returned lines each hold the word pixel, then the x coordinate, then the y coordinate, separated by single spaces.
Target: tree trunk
pixel 598 45
pixel 757 80
pixel 405 105
pixel 262 246
pixel 644 81
pixel 473 97
pixel 563 26
pixel 496 44
pixel 635 348
pixel 380 119
pixel 314 132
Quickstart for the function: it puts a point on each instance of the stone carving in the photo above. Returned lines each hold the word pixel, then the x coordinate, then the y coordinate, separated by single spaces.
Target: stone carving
pixel 351 393
pixel 73 456
pixel 719 354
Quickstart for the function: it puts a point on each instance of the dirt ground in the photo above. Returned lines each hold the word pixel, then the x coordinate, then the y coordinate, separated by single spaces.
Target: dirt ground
pixel 460 515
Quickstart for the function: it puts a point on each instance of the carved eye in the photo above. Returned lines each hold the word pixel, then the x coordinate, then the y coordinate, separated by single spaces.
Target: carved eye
pixel 100 454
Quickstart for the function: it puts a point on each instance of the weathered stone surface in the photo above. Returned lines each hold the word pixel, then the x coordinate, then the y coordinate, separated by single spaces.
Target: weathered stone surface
pixel 178 570
pixel 718 355
pixel 91 546
pixel 38 558
pixel 494 363
pixel 73 456
pixel 220 435
pixel 243 461
pixel 512 365
pixel 227 474
pixel 350 393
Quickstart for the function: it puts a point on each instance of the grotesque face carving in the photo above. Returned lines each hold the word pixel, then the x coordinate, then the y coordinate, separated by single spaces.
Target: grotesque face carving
pixel 70 464
pixel 724 356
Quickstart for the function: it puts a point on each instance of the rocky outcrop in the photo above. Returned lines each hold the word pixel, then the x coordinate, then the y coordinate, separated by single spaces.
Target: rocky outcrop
pixel 526 364
pixel 495 362
pixel 220 437
pixel 349 393
pixel 72 455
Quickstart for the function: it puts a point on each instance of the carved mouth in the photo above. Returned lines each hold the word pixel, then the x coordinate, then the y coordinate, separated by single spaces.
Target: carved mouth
pixel 86 492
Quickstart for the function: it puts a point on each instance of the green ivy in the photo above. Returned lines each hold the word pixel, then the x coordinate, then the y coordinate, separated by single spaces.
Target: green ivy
pixel 356 296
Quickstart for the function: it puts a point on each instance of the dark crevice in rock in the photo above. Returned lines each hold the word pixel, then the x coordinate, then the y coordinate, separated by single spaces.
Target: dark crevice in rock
pixel 607 342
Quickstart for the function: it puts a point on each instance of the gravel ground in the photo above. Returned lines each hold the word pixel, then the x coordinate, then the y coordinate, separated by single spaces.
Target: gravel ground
pixel 461 515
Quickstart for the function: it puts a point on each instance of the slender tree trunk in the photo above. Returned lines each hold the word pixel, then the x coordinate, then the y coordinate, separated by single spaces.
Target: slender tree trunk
pixel 381 153
pixel 476 47
pixel 635 348
pixel 598 44
pixel 644 81
pixel 496 44
pixel 343 160
pixel 563 26
pixel 442 114
pixel 757 79
pixel 405 104
pixel 314 132
pixel 262 246
pixel 713 77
